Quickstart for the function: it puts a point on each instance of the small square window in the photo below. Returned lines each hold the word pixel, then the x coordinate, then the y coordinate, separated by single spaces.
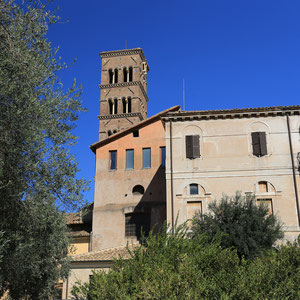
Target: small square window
pixel 194 189
pixel 135 133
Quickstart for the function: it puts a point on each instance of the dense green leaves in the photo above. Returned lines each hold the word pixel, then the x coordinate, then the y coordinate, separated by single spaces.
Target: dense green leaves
pixel 245 226
pixel 37 171
pixel 172 266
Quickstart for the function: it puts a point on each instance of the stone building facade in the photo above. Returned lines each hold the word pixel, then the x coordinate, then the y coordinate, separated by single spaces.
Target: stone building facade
pixel 251 150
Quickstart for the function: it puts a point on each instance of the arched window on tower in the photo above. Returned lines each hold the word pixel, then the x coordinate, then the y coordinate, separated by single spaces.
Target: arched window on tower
pixel 116 76
pixel 110 103
pixel 124 105
pixel 125 74
pixel 129 104
pixel 115 106
pixel 130 74
pixel 109 133
pixel 111 75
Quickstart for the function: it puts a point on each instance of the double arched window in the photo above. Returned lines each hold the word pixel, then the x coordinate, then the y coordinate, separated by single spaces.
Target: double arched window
pixel 113 75
pixel 127 74
pixel 113 106
pixel 126 105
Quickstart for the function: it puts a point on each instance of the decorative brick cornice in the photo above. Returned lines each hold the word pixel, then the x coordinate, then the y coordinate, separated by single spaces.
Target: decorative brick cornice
pixel 119 116
pixel 232 113
pixel 139 51
pixel 125 84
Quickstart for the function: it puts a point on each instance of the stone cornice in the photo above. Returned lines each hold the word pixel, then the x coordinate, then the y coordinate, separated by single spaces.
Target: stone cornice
pixel 139 51
pixel 119 116
pixel 232 113
pixel 125 84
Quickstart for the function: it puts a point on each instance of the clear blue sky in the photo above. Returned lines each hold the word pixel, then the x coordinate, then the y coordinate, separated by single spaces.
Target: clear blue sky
pixel 231 54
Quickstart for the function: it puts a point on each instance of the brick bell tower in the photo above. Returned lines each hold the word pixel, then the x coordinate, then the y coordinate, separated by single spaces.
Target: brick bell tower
pixel 123 90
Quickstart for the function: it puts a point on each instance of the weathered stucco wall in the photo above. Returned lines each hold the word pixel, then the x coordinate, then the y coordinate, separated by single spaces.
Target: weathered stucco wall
pixel 113 188
pixel 227 164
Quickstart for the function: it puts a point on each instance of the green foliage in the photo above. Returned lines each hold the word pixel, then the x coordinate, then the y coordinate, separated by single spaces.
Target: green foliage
pixel 171 266
pixel 245 226
pixel 168 266
pixel 37 171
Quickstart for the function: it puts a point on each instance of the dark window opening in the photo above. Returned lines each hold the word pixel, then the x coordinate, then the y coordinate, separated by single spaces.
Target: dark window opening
pixel 113 160
pixel 125 74
pixel 109 133
pixel 110 72
pixel 116 76
pixel 124 105
pixel 130 74
pixel 192 146
pixel 163 156
pixel 115 106
pixel 138 190
pixel 259 143
pixel 136 223
pixel 136 133
pixel 110 107
pixel 194 189
pixel 129 105
pixel 115 131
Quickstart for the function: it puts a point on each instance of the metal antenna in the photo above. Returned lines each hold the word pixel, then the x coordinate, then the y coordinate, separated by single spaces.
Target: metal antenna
pixel 183 95
pixel 125 44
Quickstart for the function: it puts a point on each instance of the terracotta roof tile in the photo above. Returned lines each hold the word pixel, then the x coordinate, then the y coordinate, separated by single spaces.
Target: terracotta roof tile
pixel 74 218
pixel 106 254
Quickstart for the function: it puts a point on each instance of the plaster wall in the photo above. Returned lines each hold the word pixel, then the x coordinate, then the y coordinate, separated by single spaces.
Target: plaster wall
pixel 227 164
pixel 113 188
pixel 81 271
pixel 80 245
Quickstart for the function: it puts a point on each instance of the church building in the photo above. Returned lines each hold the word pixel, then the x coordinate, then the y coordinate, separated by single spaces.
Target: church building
pixel 173 164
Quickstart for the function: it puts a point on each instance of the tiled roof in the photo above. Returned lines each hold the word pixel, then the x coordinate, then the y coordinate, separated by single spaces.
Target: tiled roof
pixel 256 110
pixel 80 233
pixel 74 218
pixel 106 254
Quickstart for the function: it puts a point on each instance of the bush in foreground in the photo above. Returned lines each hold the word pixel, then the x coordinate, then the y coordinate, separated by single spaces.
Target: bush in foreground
pixel 247 227
pixel 171 266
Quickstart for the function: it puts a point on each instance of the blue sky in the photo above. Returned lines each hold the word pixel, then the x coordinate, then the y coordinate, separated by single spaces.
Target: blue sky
pixel 231 54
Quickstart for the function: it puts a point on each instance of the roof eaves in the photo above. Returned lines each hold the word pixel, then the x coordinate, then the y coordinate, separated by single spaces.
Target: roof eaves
pixel 231 113
pixel 119 134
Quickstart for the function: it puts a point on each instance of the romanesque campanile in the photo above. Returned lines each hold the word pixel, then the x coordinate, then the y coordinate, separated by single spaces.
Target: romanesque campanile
pixel 123 90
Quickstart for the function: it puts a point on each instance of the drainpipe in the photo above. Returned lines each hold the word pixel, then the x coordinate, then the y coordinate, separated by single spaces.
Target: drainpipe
pixel 293 166
pixel 171 164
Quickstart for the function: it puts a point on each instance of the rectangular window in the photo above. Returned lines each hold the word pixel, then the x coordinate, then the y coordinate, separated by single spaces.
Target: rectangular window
pixel 135 223
pixel 146 158
pixel 113 160
pixel 163 156
pixel 267 203
pixel 259 143
pixel 194 189
pixel 193 207
pixel 192 143
pixel 135 133
pixel 129 159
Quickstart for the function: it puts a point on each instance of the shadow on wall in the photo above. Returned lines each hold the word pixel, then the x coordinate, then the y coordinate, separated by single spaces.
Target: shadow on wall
pixel 150 212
